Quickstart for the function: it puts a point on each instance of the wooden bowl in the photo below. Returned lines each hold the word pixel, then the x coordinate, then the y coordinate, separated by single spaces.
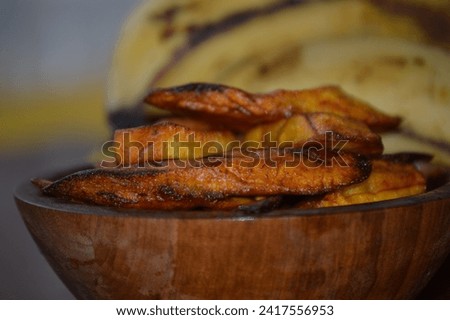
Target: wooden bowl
pixel 389 249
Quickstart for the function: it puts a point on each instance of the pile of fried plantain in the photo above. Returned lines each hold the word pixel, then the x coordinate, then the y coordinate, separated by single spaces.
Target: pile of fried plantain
pixel 221 148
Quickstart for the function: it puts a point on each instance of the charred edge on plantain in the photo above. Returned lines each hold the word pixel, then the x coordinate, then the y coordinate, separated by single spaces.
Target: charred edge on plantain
pixel 127 173
pixel 111 197
pixel 170 192
pixel 198 87
pixel 364 166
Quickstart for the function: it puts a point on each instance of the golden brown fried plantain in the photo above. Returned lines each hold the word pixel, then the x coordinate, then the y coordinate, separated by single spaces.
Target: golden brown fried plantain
pixel 204 183
pixel 247 204
pixel 169 139
pixel 240 110
pixel 323 129
pixel 330 99
pixel 388 180
pixel 224 105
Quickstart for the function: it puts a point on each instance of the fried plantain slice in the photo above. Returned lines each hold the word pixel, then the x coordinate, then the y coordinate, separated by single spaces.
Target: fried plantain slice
pixel 203 183
pixel 323 129
pixel 221 104
pixel 247 204
pixel 252 205
pixel 330 99
pixel 240 110
pixel 169 139
pixel 388 180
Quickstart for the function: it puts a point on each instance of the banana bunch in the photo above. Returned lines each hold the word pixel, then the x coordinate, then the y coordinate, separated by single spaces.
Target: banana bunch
pixel 393 54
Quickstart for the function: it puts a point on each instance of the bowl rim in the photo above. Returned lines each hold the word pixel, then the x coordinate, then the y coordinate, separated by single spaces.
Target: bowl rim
pixel 29 194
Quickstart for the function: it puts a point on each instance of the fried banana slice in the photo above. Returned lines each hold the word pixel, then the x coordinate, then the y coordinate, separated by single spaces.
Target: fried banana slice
pixel 388 180
pixel 169 139
pixel 247 204
pixel 330 99
pixel 324 129
pixel 203 183
pixel 252 205
pixel 240 110
pixel 230 106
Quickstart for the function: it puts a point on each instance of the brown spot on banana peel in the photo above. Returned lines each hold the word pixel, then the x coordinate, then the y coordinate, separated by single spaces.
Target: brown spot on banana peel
pixel 204 185
pixel 435 21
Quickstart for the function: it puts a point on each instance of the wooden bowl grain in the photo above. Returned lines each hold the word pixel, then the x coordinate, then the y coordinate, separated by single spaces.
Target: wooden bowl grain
pixel 385 250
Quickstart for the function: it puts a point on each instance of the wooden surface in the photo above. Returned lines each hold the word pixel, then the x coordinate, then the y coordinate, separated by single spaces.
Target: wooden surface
pixel 369 251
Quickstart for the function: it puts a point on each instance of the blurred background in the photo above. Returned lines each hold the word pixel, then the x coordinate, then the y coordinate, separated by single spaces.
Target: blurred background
pixel 54 57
